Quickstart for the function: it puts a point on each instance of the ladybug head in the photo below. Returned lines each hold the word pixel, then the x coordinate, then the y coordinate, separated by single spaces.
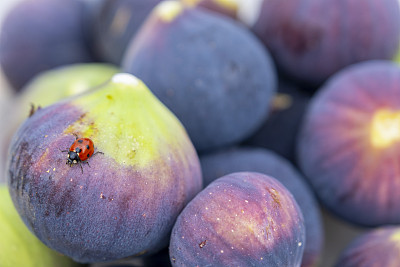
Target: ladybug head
pixel 73 158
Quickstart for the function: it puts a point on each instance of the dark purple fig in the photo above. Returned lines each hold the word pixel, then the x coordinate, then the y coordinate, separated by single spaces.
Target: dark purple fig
pixel 311 40
pixel 210 71
pixel 241 219
pixel 217 164
pixel 349 144
pixel 37 35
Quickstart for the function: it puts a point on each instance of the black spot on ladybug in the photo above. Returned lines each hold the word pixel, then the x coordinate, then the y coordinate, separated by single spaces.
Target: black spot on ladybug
pixel 87 146
pixel 78 150
pixel 80 141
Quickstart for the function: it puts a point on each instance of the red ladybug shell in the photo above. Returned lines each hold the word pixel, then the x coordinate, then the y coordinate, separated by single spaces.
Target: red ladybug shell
pixel 84 147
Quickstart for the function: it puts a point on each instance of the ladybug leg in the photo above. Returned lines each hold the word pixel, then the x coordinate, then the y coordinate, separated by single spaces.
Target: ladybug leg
pixel 87 162
pixel 80 164
pixel 76 136
pixel 97 152
pixel 66 150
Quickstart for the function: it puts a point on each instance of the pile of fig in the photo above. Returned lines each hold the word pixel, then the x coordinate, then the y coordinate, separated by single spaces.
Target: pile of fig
pixel 200 133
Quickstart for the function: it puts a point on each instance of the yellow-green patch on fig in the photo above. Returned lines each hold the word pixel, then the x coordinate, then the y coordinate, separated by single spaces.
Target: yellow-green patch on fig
pixel 124 119
pixel 18 246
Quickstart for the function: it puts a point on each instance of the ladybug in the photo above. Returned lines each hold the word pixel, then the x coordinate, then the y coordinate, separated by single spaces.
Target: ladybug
pixel 80 151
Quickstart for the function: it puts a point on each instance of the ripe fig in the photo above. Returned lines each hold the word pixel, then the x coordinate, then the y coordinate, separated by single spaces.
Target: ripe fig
pixel 215 76
pixel 312 40
pixel 241 219
pixel 114 204
pixel 223 162
pixel 349 143
pixel 18 246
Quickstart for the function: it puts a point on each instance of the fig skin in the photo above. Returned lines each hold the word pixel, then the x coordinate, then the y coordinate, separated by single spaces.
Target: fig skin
pixel 223 162
pixel 377 247
pixel 115 23
pixel 126 202
pixel 38 35
pixel 47 88
pixel 352 176
pixel 220 93
pixel 18 246
pixel 312 40
pixel 241 219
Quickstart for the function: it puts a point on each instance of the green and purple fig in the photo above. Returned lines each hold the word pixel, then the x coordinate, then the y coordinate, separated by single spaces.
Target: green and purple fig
pixel 125 200
pixel 18 246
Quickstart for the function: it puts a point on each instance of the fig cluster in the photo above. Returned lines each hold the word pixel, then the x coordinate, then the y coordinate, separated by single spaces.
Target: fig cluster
pixel 200 133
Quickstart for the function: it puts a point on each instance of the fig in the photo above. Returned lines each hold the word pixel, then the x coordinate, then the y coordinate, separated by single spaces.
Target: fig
pixel 312 40
pixel 38 35
pixel 223 162
pixel 209 70
pixel 349 147
pixel 48 87
pixel 279 131
pixel 241 219
pixel 377 247
pixel 18 246
pixel 115 23
pixel 110 205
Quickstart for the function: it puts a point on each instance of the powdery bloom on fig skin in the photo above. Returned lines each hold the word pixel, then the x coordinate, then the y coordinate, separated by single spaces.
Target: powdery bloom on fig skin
pixel 241 218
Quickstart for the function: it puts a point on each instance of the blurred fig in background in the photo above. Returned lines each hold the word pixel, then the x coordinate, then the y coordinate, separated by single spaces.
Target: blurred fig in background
pixel 377 247
pixel 115 23
pixel 217 164
pixel 311 40
pixel 241 219
pixel 18 246
pixel 38 35
pixel 349 144
pixel 210 71
pixel 114 204
pixel 279 131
